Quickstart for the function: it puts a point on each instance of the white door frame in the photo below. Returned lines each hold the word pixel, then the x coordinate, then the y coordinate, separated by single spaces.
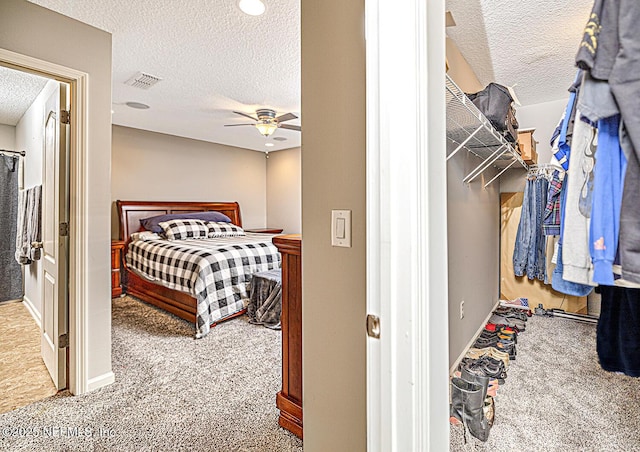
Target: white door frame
pixel 407 368
pixel 79 270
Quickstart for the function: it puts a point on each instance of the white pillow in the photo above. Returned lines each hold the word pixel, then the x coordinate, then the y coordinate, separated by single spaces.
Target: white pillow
pixel 144 236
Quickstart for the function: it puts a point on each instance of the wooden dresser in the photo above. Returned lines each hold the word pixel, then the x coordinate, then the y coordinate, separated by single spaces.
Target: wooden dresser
pixel 117 248
pixel 289 399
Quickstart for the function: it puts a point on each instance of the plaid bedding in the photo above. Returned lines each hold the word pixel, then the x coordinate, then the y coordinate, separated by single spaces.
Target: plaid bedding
pixel 215 271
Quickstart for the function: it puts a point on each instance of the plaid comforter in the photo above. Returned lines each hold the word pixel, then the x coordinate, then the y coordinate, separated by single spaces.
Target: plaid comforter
pixel 215 271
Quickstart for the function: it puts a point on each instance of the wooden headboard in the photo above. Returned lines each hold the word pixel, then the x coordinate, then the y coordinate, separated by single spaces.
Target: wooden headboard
pixel 131 212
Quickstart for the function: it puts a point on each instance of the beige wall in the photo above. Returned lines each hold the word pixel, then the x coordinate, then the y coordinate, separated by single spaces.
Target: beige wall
pixel 544 118
pixel 333 177
pixel 284 191
pixel 30 30
pixel 30 138
pixel 473 227
pixel 7 137
pixel 150 166
pixel 460 71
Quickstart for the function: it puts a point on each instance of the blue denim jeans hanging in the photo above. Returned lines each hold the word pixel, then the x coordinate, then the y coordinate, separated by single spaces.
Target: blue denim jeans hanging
pixel 529 252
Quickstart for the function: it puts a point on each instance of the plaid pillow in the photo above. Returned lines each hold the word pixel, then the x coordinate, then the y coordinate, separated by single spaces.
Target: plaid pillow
pixel 219 229
pixel 184 229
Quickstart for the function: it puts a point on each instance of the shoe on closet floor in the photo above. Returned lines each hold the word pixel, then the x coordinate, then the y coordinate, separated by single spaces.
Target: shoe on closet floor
pixel 512 313
pixel 487 366
pixel 500 319
pixel 499 333
pixel 492 387
pixel 500 355
pixel 517 303
pixel 467 406
pixel 501 327
pixel 476 353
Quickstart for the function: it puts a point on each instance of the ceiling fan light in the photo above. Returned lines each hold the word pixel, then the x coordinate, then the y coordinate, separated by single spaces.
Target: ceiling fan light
pixel 252 7
pixel 266 128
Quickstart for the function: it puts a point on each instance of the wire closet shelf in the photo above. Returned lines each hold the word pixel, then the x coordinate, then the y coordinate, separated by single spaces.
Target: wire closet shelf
pixel 468 128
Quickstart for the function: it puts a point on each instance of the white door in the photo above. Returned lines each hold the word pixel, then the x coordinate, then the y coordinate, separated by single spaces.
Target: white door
pixel 55 220
pixel 407 367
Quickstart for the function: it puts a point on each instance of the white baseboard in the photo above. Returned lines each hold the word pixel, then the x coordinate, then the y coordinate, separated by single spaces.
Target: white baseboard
pixel 32 310
pixel 100 381
pixel 473 339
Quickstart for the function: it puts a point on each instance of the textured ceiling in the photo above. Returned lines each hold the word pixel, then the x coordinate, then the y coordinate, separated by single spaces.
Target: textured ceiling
pixel 18 90
pixel 529 44
pixel 212 59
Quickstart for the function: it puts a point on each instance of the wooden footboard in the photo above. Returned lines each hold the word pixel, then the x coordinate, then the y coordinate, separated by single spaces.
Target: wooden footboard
pixel 173 301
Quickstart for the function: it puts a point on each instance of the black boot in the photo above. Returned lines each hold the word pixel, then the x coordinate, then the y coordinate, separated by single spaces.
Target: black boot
pixel 480 380
pixel 467 403
pixel 483 382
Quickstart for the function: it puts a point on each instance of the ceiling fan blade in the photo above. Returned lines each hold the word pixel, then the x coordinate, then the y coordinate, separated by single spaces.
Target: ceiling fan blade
pixel 286 117
pixel 236 125
pixel 291 127
pixel 246 115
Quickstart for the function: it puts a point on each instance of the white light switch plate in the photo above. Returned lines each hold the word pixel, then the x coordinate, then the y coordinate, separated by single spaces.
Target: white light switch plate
pixel 341 228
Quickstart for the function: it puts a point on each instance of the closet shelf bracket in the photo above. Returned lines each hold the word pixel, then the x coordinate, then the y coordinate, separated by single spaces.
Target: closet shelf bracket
pixel 468 128
pixel 484 165
pixel 500 173
pixel 462 145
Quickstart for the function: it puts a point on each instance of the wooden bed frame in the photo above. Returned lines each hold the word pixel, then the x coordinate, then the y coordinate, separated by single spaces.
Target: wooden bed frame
pixel 130 213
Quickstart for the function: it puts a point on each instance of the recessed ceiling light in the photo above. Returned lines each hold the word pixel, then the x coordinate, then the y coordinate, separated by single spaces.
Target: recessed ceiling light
pixel 269 145
pixel 252 7
pixel 138 105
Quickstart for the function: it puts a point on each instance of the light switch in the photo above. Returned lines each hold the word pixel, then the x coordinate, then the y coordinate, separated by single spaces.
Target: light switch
pixel 341 228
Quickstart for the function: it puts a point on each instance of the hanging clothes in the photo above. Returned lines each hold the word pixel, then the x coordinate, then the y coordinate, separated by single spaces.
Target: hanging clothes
pixel 610 168
pixel 557 281
pixel 610 51
pixel 529 255
pixel 575 237
pixel 551 221
pixel 618 335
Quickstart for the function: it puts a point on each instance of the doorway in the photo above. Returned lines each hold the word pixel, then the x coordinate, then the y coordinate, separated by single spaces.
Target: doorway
pixel 33 317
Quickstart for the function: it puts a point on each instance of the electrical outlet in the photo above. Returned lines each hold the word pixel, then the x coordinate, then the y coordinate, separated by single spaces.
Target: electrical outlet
pixel 462 309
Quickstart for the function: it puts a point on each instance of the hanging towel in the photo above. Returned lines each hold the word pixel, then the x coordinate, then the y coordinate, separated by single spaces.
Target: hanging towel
pixel 29 234
pixel 35 220
pixel 22 250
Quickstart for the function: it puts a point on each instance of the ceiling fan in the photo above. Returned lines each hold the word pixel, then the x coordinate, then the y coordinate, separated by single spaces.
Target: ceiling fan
pixel 267 122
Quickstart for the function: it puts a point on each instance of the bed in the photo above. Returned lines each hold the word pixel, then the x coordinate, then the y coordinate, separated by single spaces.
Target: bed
pixel 216 293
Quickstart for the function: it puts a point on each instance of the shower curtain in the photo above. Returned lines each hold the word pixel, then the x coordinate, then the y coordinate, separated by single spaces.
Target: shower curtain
pixel 10 270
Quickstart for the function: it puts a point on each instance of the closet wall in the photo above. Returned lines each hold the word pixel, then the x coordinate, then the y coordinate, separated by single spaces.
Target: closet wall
pixel 473 217
pixel 544 118
pixel 30 138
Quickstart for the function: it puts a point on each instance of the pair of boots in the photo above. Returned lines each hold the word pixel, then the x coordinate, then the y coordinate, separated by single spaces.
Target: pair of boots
pixel 470 404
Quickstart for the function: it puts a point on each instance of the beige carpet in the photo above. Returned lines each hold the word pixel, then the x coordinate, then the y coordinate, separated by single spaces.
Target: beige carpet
pixel 172 392
pixel 24 378
pixel 558 398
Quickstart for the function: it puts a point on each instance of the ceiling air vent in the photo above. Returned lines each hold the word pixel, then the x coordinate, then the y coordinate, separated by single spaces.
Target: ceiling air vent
pixel 142 80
